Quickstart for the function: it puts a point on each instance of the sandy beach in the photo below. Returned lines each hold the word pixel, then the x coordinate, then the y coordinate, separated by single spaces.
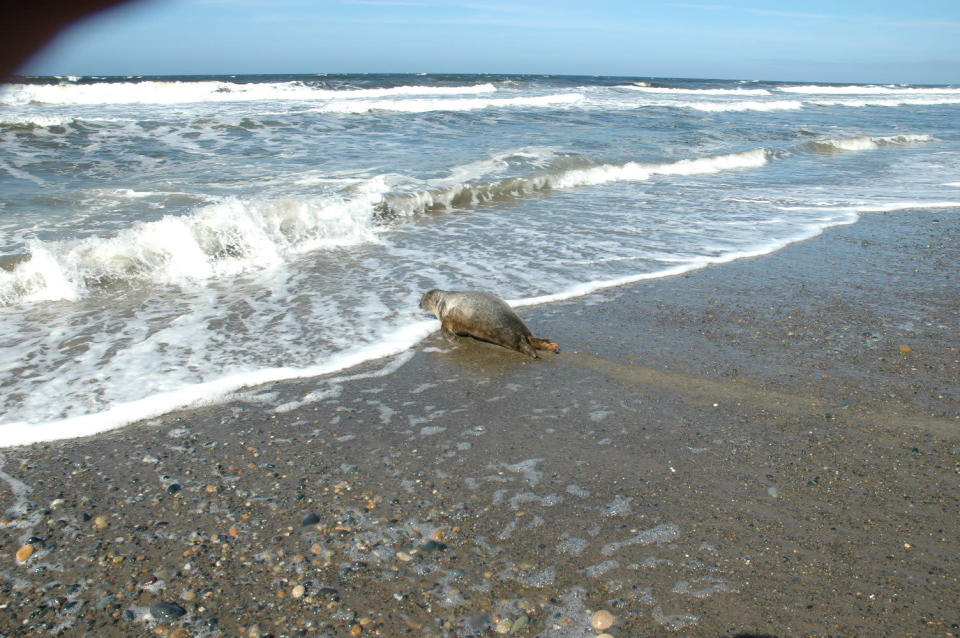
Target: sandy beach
pixel 766 447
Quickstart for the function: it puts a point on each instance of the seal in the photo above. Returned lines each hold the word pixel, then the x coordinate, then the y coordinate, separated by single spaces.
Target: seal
pixel 482 316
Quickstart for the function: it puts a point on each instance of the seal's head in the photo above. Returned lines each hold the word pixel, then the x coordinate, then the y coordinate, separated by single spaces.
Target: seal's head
pixel 428 301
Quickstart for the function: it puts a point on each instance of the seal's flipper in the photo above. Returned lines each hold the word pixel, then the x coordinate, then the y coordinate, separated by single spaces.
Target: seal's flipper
pixel 544 344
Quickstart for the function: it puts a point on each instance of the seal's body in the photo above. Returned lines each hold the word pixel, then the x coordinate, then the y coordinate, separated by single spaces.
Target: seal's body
pixel 482 316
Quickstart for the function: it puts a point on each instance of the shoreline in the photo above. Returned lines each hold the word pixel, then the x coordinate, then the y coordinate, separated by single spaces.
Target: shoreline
pixel 400 342
pixel 766 446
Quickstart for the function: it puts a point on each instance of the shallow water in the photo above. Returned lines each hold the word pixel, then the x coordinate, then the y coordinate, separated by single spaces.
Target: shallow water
pixel 167 241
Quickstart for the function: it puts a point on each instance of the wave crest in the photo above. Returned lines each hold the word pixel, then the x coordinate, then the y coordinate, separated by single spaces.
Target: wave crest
pixel 176 92
pixel 864 143
pixel 222 239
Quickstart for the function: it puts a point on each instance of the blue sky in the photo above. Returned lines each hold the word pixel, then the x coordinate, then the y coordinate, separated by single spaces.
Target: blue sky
pixel 831 41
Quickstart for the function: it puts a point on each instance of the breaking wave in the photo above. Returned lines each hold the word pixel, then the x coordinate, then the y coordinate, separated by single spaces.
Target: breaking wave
pixel 222 239
pixel 176 92
pixel 572 172
pixel 813 89
pixel 457 104
pixel 864 143
pixel 672 91
pixel 235 236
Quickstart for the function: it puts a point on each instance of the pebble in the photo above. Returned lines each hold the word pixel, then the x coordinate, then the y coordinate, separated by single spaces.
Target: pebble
pixel 604 636
pixel 24 553
pixel 356 630
pixel 311 519
pixel 602 620
pixel 404 556
pixel 100 522
pixel 298 591
pixel 165 612
pixel 503 627
pixel 328 592
pixel 519 624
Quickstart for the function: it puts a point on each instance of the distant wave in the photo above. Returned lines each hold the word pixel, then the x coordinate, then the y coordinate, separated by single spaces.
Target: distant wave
pixel 866 90
pixel 745 105
pixel 864 143
pixel 37 120
pixel 176 92
pixel 888 102
pixel 456 104
pixel 672 91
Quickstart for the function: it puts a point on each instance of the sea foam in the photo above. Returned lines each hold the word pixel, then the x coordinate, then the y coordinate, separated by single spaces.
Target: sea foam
pixel 174 92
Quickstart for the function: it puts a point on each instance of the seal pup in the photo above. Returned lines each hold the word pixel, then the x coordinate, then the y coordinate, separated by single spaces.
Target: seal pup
pixel 482 316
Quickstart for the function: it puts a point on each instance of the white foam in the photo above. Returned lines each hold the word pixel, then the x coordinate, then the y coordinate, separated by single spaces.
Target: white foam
pixel 890 102
pixel 840 217
pixel 895 206
pixel 168 92
pixel 744 105
pixel 424 106
pixel 9 119
pixel 888 207
pixel 673 91
pixel 217 240
pixel 811 89
pixel 210 392
pixel 864 143
pixel 633 171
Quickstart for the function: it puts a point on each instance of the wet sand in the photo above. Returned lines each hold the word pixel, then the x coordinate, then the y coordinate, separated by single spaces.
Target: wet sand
pixel 767 447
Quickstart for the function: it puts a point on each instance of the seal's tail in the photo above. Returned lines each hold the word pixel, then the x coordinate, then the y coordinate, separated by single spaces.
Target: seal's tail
pixel 544 344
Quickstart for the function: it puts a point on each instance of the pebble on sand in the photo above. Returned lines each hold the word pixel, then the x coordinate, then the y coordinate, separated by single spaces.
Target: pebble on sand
pixel 100 522
pixel 602 620
pixel 298 591
pixel 24 553
pixel 165 612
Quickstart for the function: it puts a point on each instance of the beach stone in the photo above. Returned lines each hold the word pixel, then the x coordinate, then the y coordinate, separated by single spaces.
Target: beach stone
pixel 503 627
pixel 404 556
pixel 328 592
pixel 165 612
pixel 24 553
pixel 604 636
pixel 311 519
pixel 173 488
pixel 602 620
pixel 519 624
pixel 100 522
pixel 434 546
pixel 298 591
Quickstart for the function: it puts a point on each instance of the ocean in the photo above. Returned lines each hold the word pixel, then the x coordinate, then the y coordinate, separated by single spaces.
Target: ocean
pixel 167 242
